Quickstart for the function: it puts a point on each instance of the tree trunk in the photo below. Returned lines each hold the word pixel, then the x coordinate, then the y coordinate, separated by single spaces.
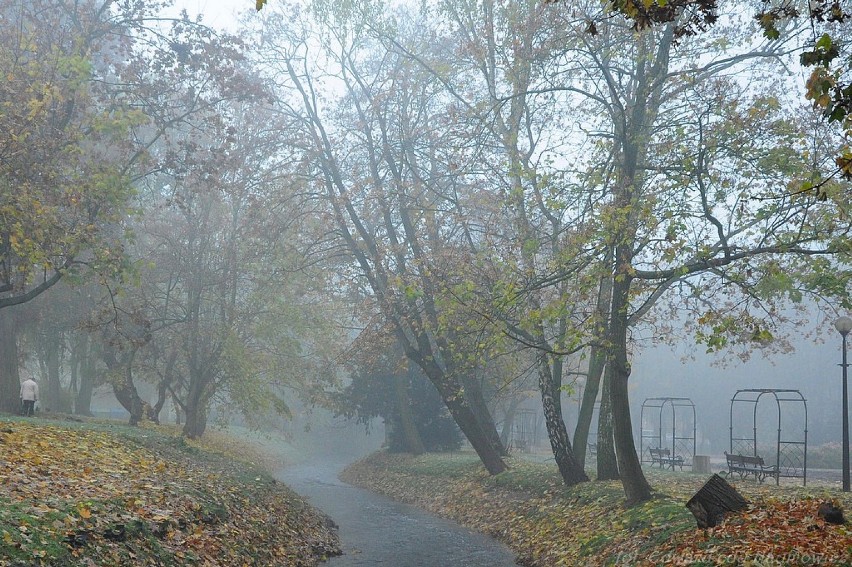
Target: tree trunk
pixel 570 469
pixel 597 359
pixel 74 364
pixel 127 395
pixel 122 385
pixel 713 501
pixel 10 383
pixel 597 362
pixel 413 442
pixel 195 403
pixel 473 393
pixel 88 369
pixel 457 405
pixel 163 387
pixel 196 421
pixel 607 462
pixel 467 421
pixel 469 424
pixel 178 410
pixel 636 487
pixel 52 349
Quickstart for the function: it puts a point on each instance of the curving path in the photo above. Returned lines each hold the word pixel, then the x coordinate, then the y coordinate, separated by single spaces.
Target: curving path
pixel 377 531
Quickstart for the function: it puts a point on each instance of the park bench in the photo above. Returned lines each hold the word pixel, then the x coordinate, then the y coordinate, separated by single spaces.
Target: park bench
pixel 593 448
pixel 664 458
pixel 746 465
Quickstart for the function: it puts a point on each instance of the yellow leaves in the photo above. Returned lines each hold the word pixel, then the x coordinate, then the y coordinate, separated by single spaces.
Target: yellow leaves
pixel 90 493
pixel 589 525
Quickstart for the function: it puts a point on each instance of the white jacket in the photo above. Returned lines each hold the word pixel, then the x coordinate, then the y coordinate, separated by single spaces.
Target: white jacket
pixel 29 390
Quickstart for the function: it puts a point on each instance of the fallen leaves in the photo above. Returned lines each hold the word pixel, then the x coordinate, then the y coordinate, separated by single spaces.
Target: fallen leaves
pixel 113 496
pixel 548 525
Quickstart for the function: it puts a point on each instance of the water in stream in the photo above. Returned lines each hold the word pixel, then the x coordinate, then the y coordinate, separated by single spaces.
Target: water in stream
pixel 375 530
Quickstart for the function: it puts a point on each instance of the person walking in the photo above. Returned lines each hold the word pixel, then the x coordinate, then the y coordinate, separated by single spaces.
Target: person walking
pixel 29 396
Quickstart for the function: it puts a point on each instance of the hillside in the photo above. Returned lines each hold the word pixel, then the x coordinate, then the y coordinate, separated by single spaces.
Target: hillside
pixel 81 493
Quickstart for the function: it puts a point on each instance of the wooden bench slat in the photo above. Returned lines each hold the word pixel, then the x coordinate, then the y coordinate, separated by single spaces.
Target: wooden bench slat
pixel 746 465
pixel 662 456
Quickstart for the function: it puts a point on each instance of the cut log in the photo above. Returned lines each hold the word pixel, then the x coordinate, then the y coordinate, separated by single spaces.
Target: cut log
pixel 713 501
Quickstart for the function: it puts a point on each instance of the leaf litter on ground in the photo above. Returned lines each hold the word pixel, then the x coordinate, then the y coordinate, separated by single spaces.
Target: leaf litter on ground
pixel 109 495
pixel 549 525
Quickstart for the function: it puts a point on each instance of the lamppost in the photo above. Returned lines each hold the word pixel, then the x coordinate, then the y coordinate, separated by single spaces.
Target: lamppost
pixel 843 326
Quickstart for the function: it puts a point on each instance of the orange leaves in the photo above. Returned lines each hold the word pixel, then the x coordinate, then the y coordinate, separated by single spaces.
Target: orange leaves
pixel 84 511
pixel 589 525
pixel 82 497
pixel 774 530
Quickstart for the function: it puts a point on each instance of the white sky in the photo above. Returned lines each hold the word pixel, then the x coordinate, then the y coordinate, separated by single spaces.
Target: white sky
pixel 219 14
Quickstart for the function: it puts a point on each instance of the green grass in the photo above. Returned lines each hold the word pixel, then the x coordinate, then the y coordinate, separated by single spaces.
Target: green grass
pixel 526 476
pixel 450 465
pixel 144 496
pixel 547 524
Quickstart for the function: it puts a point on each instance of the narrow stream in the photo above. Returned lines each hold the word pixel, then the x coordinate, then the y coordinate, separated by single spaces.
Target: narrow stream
pixel 375 530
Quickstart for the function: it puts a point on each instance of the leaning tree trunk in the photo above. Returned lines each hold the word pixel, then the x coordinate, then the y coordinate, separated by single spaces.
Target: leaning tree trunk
pixel 10 384
pixel 473 392
pixel 569 468
pixel 467 421
pixel 460 410
pixel 470 426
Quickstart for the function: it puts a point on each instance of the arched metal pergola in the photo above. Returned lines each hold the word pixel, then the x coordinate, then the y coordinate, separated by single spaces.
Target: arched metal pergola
pixel 791 453
pixel 524 431
pixel 682 442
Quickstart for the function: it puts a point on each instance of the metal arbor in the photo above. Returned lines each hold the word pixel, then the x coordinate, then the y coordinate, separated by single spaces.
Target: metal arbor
pixel 524 431
pixel 790 453
pixel 659 424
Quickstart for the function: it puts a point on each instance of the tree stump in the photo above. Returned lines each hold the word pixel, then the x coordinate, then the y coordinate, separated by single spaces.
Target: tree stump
pixel 715 499
pixel 831 513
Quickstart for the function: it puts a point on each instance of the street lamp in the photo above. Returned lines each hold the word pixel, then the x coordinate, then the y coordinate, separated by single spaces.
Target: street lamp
pixel 843 326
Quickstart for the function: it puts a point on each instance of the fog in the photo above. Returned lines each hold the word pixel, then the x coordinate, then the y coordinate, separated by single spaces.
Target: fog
pixel 813 369
pixel 432 220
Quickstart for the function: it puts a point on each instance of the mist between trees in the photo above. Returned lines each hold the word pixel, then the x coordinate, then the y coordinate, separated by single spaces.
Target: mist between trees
pixel 484 196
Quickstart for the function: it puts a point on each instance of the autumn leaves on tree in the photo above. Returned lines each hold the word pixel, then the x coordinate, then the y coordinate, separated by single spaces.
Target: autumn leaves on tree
pixel 502 190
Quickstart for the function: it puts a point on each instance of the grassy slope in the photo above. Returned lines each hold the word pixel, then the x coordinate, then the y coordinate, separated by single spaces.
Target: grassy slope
pixel 548 525
pixel 95 493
